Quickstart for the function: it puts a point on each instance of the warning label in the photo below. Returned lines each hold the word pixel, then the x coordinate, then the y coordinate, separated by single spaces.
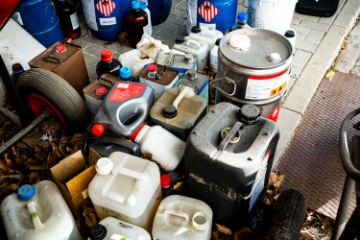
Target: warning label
pixel 263 87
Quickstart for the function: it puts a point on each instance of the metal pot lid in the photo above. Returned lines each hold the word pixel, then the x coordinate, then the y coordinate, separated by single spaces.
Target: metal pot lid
pixel 256 48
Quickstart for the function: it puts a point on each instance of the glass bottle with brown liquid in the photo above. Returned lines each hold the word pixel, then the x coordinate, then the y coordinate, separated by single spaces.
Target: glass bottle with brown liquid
pixel 136 20
pixel 69 21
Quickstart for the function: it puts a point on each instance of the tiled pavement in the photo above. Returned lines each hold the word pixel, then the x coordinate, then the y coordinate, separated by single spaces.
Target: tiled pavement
pixel 318 43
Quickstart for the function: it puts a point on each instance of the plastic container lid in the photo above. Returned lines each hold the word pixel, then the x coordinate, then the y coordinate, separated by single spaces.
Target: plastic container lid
pixel 143 5
pixel 125 73
pixel 196 29
pixel 106 55
pixel 104 166
pixel 135 5
pixel 165 180
pixel 249 114
pixel 152 68
pixel 97 232
pixel 242 17
pixel 60 48
pixel 98 129
pixel 169 111
pixel 26 192
pixel 17 69
pixel 289 34
pixel 101 91
pixel 179 40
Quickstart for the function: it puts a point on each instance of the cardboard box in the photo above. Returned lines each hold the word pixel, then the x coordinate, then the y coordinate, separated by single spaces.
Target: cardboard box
pixel 66 62
pixel 73 177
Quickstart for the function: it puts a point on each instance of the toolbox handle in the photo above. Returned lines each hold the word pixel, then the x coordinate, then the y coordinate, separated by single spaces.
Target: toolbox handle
pixel 226 140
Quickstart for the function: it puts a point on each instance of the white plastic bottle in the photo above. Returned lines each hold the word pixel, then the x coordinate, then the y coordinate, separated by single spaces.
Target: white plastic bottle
pixel 113 229
pixel 214 56
pixel 164 148
pixel 204 34
pixel 182 218
pixel 127 188
pixel 148 27
pixel 38 212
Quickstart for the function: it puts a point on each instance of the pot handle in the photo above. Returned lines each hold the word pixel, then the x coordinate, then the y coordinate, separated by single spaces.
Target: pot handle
pixel 221 90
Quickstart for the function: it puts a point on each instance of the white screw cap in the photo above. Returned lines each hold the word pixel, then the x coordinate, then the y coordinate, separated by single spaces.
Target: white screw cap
pixel 274 57
pixel 104 166
pixel 240 42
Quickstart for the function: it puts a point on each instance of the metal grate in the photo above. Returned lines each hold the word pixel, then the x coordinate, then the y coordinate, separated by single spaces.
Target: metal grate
pixel 312 163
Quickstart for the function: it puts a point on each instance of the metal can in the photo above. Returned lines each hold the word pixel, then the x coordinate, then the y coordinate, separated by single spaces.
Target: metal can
pixel 254 66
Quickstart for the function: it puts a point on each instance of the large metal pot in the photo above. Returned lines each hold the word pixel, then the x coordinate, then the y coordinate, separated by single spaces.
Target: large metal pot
pixel 254 66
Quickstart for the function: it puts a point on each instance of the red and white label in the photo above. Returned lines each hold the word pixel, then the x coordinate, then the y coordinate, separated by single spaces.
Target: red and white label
pixel 126 91
pixel 105 7
pixel 207 11
pixel 264 87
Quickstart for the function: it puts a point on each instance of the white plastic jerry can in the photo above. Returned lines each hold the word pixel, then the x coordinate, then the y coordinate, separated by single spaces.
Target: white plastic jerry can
pixel 200 50
pixel 160 145
pixel 114 229
pixel 182 218
pixel 127 188
pixel 38 212
pixel 205 34
pixel 133 60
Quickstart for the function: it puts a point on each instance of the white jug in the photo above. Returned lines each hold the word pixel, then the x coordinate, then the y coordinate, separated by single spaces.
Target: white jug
pixel 205 34
pixel 38 212
pixel 182 218
pixel 150 46
pixel 200 50
pixel 177 60
pixel 113 229
pixel 133 59
pixel 162 146
pixel 126 187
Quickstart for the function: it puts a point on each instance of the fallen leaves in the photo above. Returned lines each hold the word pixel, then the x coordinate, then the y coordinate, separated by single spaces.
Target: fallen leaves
pixel 316 227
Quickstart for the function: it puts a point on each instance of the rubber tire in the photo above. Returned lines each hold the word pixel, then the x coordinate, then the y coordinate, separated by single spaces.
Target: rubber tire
pixel 58 91
pixel 287 217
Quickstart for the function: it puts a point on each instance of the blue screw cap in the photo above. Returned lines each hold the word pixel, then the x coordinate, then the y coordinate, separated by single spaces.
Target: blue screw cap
pixel 143 5
pixel 135 5
pixel 242 17
pixel 125 73
pixel 26 192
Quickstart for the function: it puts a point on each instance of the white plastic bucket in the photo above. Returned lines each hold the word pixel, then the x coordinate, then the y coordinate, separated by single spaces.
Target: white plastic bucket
pixel 127 188
pixel 274 15
pixel 182 218
pixel 38 212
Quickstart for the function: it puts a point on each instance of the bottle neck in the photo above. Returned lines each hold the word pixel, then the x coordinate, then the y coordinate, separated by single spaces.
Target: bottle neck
pixel 139 133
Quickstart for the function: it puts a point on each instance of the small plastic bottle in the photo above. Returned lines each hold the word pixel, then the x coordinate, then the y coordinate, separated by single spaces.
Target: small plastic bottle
pixel 136 20
pixel 69 20
pixel 126 75
pixel 241 23
pixel 164 148
pixel 214 56
pixel 108 64
pixel 148 27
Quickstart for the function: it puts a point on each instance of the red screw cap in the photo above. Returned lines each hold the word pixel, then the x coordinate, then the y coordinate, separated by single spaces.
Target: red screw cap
pixel 101 91
pixel 60 48
pixel 98 129
pixel 152 68
pixel 165 181
pixel 106 55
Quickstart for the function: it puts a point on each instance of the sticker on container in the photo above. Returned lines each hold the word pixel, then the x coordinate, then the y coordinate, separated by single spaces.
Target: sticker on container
pixel 107 21
pixel 17 18
pixel 264 87
pixel 259 182
pixel 105 7
pixel 207 11
pixel 74 21
pixel 125 91
pixel 89 14
pixel 209 26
